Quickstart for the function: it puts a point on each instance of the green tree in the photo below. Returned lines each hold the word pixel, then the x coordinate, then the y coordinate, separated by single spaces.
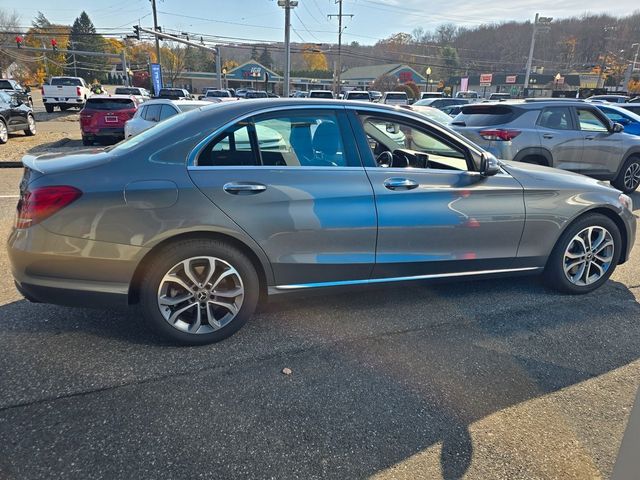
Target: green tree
pixel 265 58
pixel 83 36
pixel 254 54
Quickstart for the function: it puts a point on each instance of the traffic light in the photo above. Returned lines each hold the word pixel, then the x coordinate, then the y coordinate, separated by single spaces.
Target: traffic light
pixel 136 31
pixel 54 44
pixel 19 41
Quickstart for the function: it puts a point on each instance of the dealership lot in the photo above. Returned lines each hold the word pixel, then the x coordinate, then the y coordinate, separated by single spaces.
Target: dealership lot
pixel 492 379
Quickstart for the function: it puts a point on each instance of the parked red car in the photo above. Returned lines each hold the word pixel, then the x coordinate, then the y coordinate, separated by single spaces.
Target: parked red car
pixel 103 117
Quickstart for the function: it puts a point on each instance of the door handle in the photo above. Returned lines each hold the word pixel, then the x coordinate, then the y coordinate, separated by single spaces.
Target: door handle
pixel 589 138
pixel 400 184
pixel 547 135
pixel 244 188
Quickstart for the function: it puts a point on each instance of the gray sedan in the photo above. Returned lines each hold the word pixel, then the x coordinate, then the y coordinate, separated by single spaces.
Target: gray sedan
pixel 212 211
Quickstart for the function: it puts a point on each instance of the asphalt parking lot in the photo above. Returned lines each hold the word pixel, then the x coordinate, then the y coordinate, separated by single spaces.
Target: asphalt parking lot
pixel 484 379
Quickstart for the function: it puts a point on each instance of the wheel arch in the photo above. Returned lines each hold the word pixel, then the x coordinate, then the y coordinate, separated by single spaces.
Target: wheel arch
pixel 261 268
pixel 612 215
pixel 535 152
pixel 632 152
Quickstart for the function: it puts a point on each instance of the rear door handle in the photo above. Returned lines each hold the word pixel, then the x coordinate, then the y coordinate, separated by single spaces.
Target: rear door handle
pixel 589 138
pixel 400 184
pixel 547 135
pixel 244 188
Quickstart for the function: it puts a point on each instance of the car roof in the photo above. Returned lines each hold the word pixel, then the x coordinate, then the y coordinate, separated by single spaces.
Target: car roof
pixel 169 101
pixel 110 95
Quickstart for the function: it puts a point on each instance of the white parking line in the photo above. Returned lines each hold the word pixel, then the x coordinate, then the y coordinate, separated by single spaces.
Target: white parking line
pixel 9 196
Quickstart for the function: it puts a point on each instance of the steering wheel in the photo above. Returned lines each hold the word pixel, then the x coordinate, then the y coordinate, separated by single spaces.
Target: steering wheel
pixel 384 159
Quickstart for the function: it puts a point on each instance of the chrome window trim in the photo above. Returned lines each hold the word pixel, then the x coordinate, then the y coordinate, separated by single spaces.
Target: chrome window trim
pixel 272 168
pixel 368 281
pixel 193 155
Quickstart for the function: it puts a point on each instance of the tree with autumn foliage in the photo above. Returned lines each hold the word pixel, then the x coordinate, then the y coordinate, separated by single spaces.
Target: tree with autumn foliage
pixel 314 59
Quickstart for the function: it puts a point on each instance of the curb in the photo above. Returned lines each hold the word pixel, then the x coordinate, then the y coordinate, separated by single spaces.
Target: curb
pixel 11 164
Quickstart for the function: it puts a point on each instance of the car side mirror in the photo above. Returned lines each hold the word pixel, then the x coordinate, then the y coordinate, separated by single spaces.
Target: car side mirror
pixel 617 128
pixel 489 165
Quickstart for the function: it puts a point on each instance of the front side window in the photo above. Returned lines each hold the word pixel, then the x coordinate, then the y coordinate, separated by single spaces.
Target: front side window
pixel 167 111
pixel 589 121
pixel 396 144
pixel 153 113
pixel 556 118
pixel 301 140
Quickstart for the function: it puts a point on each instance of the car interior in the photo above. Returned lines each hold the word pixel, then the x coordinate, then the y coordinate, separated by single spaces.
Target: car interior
pixel 399 145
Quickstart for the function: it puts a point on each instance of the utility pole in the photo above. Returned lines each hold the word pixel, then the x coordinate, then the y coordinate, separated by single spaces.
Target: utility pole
pixel 155 28
pixel 287 5
pixel 635 58
pixel 46 64
pixel 603 64
pixel 340 29
pixel 539 24
pixel 75 65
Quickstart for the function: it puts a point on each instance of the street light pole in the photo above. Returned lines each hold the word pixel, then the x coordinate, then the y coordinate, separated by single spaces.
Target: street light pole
pixel 428 72
pixel 287 5
pixel 155 28
pixel 540 23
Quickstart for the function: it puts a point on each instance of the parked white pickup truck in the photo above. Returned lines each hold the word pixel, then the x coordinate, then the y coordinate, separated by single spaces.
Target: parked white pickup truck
pixel 65 92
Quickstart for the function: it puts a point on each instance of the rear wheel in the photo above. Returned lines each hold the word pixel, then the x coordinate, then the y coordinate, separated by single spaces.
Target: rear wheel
pixel 199 291
pixel 4 133
pixel 629 177
pixel 48 108
pixel 31 126
pixel 86 141
pixel 585 256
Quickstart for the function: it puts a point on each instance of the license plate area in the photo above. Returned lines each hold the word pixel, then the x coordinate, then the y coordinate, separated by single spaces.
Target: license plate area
pixel 111 119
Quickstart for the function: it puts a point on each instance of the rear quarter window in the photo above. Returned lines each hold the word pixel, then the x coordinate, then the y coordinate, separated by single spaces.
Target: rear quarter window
pixel 480 116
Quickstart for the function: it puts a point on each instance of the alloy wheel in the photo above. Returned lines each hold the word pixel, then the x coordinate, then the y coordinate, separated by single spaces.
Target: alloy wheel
pixel 632 176
pixel 200 295
pixel 588 256
pixel 4 134
pixel 32 124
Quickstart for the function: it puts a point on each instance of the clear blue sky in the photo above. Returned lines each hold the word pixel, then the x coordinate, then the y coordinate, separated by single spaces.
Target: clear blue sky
pixel 263 19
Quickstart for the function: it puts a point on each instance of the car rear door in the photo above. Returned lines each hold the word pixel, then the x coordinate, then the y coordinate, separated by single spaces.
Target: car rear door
pixel 560 137
pixel 293 181
pixel 603 149
pixel 436 216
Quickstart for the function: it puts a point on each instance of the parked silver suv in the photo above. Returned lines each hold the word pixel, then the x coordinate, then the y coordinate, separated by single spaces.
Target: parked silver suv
pixel 568 134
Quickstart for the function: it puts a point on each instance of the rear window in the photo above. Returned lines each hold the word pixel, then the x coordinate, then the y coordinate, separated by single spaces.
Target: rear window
pixel 171 93
pixel 127 91
pixel 218 93
pixel 480 116
pixel 66 81
pixel 396 96
pixel 358 96
pixel 109 104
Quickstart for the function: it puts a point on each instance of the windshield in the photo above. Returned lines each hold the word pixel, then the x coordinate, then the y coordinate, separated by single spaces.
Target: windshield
pixel 66 81
pixel 188 108
pixel 6 85
pixel 396 96
pixel 155 132
pixel 109 104
pixel 358 96
pixel 218 93
pixel 321 95
pixel 433 114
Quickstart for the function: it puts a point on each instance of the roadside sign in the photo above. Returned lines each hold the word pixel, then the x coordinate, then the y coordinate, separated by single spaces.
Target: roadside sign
pixel 156 77
pixel 485 79
pixel 511 79
pixel 560 81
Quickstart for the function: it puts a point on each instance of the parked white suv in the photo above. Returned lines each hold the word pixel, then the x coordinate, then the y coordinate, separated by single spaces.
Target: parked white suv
pixel 154 111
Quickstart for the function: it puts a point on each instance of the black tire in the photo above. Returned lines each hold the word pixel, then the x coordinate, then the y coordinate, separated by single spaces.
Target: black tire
pixel 48 108
pixel 554 275
pixel 87 142
pixel 30 131
pixel 535 160
pixel 170 256
pixel 64 108
pixel 631 165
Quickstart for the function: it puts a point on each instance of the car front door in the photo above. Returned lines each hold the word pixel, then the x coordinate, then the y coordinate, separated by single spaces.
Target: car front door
pixel 561 138
pixel 436 214
pixel 602 152
pixel 294 182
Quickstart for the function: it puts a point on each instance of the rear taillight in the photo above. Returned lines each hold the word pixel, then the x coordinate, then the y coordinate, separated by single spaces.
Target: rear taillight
pixel 78 91
pixel 40 203
pixel 499 134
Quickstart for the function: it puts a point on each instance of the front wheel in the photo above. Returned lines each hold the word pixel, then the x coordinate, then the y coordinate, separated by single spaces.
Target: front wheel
pixel 585 256
pixel 199 291
pixel 48 108
pixel 4 132
pixel 629 177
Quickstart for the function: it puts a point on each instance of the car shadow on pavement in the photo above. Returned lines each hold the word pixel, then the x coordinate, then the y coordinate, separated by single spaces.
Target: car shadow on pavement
pixel 380 377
